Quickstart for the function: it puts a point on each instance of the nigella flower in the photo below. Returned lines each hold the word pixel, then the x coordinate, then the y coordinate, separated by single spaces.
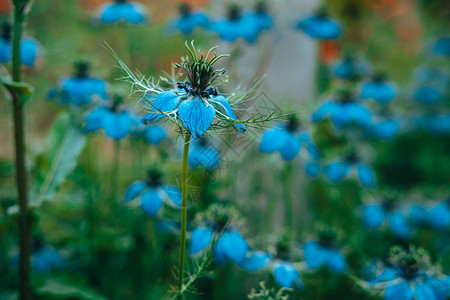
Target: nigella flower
pixel 30 49
pixel 409 277
pixel 203 154
pixel 288 140
pixel 44 259
pixel 344 111
pixel 236 26
pixel 385 130
pixel 374 215
pixel 435 124
pixel 439 215
pixel 323 253
pixel 123 11
pixel 80 89
pixel 351 68
pixel 260 18
pixel 320 26
pixel 153 193
pixel 340 169
pixel 442 46
pixel 195 103
pixel 378 89
pixel 189 20
pixel 427 95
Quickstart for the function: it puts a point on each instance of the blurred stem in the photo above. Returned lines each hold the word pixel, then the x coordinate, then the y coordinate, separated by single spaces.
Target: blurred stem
pixel 287 195
pixel 19 140
pixel 115 172
pixel 183 213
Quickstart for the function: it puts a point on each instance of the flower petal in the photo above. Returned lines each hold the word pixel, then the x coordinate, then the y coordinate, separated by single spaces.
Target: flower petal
pixel 255 260
pixel 196 116
pixel 151 202
pixel 134 190
pixel 154 134
pixel 373 216
pixel 285 274
pixel 366 175
pixel 336 171
pixel 400 291
pixel 165 102
pixel 399 225
pixel 173 195
pixel 200 239
pixel 118 125
pixel 231 245
pixel 290 148
pixel 273 140
pixel 223 102
pixel 336 261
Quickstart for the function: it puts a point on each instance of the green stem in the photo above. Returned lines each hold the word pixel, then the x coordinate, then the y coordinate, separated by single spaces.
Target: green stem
pixel 115 172
pixel 287 194
pixel 183 213
pixel 19 141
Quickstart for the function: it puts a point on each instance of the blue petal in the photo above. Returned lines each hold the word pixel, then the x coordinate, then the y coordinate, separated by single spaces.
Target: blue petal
pixel 255 261
pixel 312 150
pixel 187 23
pixel 173 194
pixel 365 175
pixel 379 91
pixel 165 102
pixel 131 12
pixel 439 216
pixel 418 214
pixel 386 130
pixel 336 261
pixel 151 202
pixel 328 107
pixel 313 169
pixel 200 239
pixel 373 216
pixel 94 119
pixel 442 46
pixel 388 274
pixel 424 291
pixel 223 102
pixel 400 291
pixel 314 255
pixel 196 116
pixel 399 225
pixel 273 140
pixel 134 190
pixel 207 157
pixel 261 21
pixel 427 95
pixel 80 91
pixel 5 51
pixel 118 125
pixel 154 134
pixel 336 171
pixel 351 112
pixel 231 245
pixel 286 275
pixel 29 51
pixel 290 148
pixel 320 27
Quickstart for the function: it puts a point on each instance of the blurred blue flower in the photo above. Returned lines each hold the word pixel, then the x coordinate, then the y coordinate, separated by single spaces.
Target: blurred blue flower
pixel 80 89
pixel 350 68
pixel 256 260
pixel 44 259
pixel 153 193
pixel 374 215
pixel 260 17
pixel 188 20
pixel 30 49
pixel 154 134
pixel 203 154
pixel 343 112
pixel 313 168
pixel 340 169
pixel 439 215
pixel 434 124
pixel 123 11
pixel 379 90
pixel 320 26
pixel 418 214
pixel 116 123
pixel 230 244
pixel 385 130
pixel 288 140
pixel 442 46
pixel 427 95
pixel 318 255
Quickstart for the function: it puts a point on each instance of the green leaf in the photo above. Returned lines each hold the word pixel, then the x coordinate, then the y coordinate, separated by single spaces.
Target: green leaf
pixel 23 89
pixel 58 289
pixel 65 142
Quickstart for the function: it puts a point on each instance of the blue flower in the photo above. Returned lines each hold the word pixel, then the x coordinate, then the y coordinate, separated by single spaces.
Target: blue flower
pixel 427 95
pixel 418 214
pixel 385 130
pixel 379 90
pixel 230 244
pixel 338 170
pixel 399 284
pixel 153 194
pixel 122 10
pixel 196 113
pixel 343 112
pixel 44 259
pixel 154 134
pixel 30 49
pixel 204 155
pixel 260 18
pixel 256 260
pixel 313 168
pixel 442 46
pixel 320 26
pixel 117 124
pixel 189 20
pixel 439 215
pixel 374 215
pixel 319 255
pixel 434 124
pixel 287 141
pixel 351 68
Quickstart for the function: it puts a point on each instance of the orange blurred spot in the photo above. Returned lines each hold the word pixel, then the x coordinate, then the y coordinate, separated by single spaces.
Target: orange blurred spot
pixel 329 51
pixel 408 28
pixel 5 6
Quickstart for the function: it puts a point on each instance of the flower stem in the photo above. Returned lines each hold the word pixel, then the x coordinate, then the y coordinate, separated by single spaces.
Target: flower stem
pixel 19 140
pixel 115 173
pixel 183 213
